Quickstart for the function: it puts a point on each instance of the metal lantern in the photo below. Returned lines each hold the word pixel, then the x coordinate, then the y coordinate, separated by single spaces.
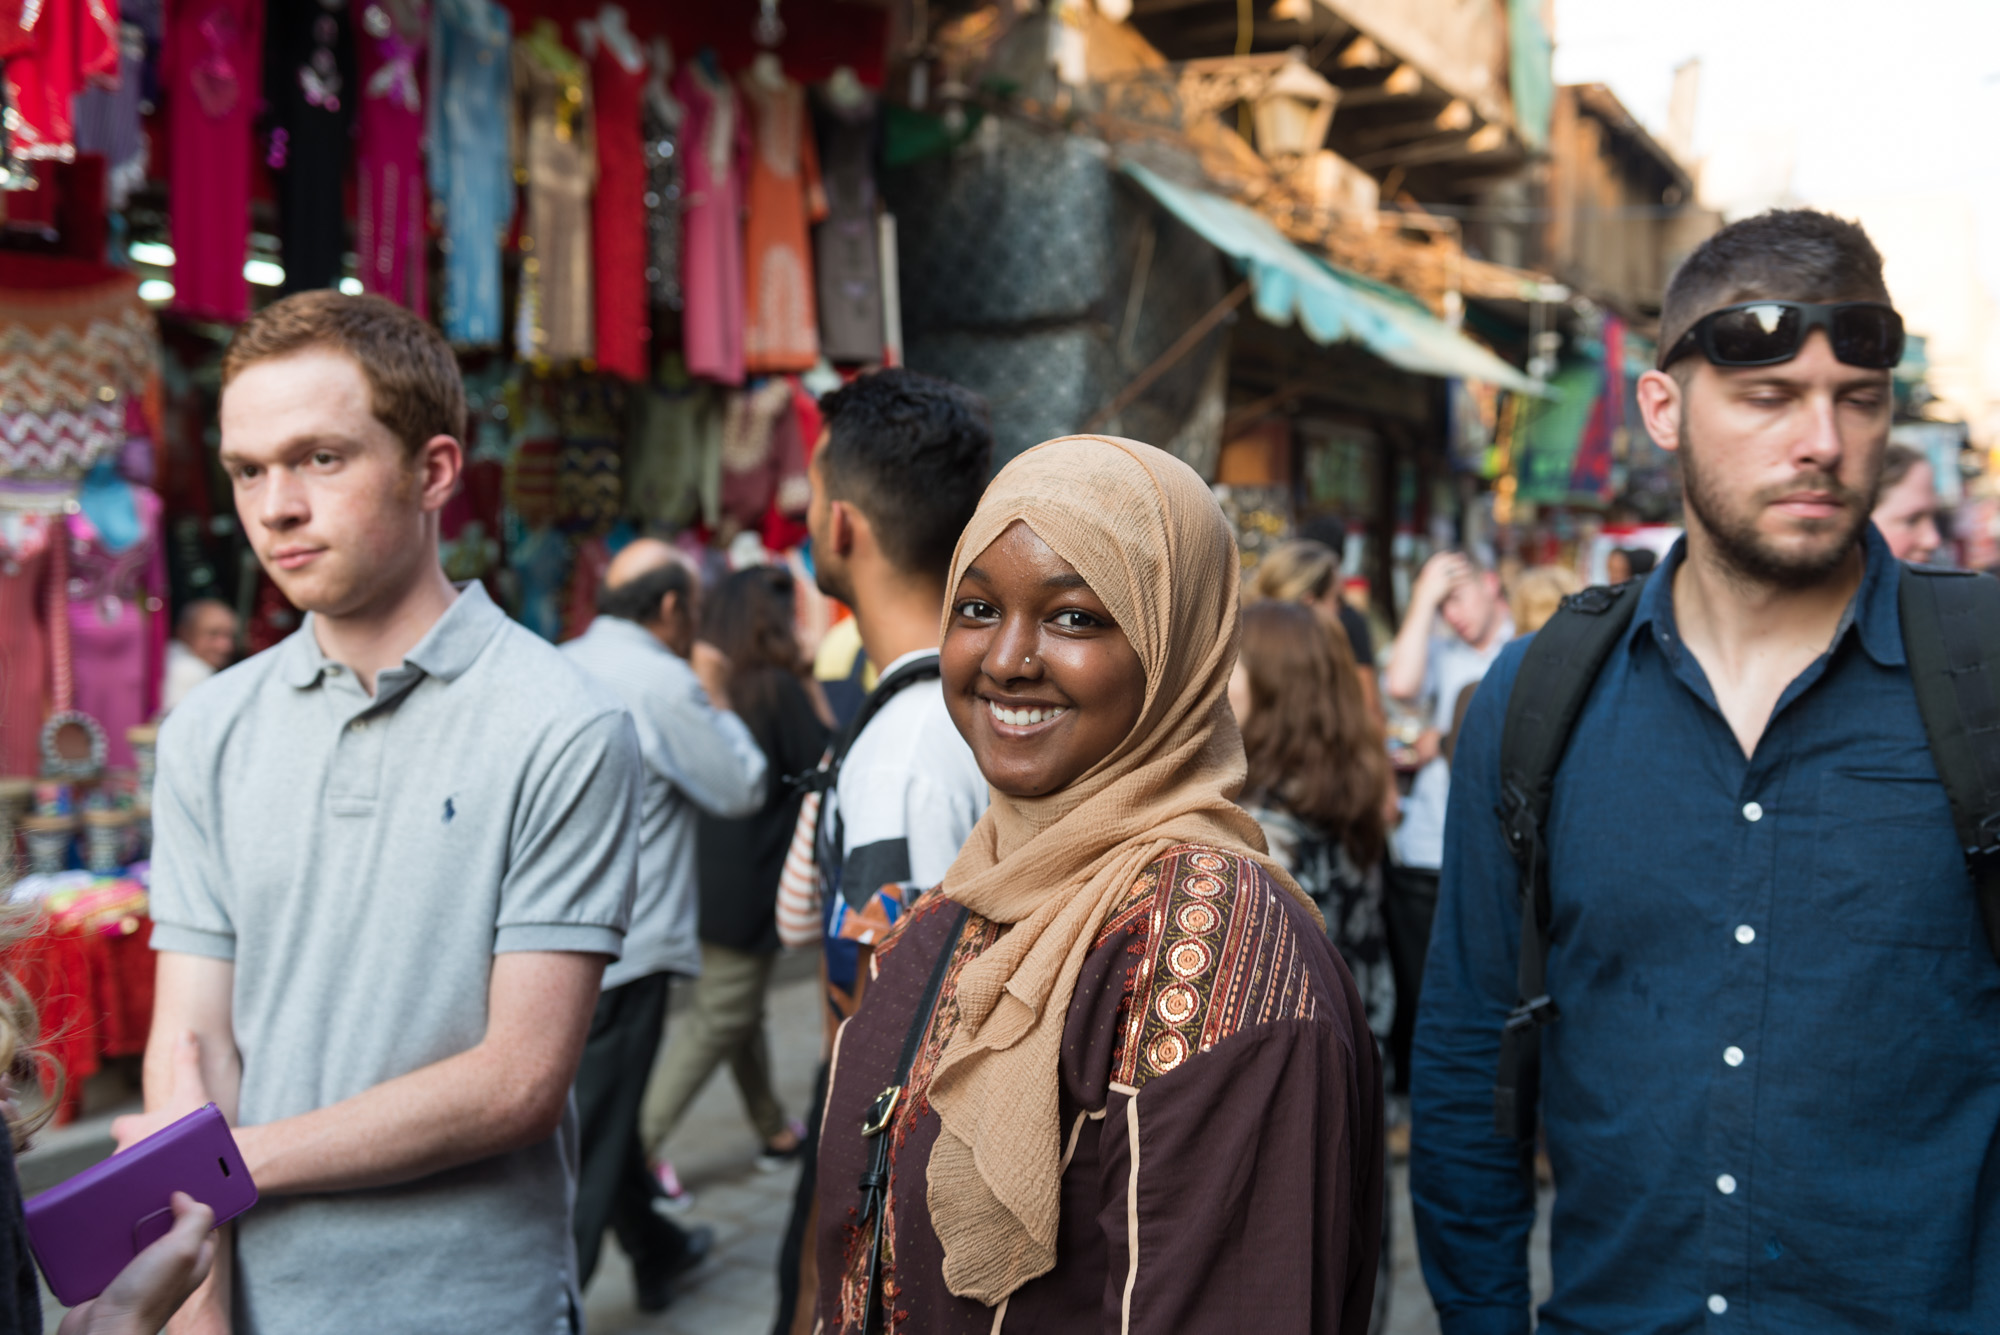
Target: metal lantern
pixel 1293 112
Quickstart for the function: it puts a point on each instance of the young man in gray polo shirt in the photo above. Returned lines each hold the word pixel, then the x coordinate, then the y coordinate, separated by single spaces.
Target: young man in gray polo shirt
pixel 392 857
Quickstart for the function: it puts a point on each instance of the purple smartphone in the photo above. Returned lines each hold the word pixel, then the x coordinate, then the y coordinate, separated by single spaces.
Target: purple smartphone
pixel 88 1229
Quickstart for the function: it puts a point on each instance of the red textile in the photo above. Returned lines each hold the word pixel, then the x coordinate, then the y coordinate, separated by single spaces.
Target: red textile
pixel 389 169
pixel 212 68
pixel 93 998
pixel 73 44
pixel 618 217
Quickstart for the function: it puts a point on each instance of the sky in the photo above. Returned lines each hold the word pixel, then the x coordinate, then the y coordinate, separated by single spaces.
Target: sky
pixel 1884 109
pixel 1865 97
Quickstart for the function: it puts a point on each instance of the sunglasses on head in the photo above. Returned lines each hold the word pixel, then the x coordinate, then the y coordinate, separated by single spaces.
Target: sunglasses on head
pixel 1765 333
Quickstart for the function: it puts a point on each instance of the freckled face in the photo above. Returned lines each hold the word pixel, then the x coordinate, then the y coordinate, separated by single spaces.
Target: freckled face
pixel 1038 677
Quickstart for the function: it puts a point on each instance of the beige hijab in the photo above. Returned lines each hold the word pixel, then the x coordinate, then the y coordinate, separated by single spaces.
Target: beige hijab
pixel 1143 529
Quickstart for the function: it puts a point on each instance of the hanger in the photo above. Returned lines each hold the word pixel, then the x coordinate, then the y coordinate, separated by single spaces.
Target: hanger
pixel 844 89
pixel 767 71
pixel 618 36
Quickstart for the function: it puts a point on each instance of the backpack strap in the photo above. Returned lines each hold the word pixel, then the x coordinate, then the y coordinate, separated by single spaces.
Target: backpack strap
pixel 1951 635
pixel 1557 672
pixel 823 776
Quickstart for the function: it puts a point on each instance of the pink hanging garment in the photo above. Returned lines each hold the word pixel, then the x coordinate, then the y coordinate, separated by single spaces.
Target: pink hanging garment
pixel 715 153
pixel 213 70
pixel 389 163
pixel 109 651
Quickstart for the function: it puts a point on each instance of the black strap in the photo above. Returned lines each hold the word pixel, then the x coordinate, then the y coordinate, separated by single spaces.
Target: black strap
pixel 882 1112
pixel 1556 675
pixel 1951 635
pixel 888 688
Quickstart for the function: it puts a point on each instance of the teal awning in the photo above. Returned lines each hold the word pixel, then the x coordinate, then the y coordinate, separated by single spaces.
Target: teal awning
pixel 1288 283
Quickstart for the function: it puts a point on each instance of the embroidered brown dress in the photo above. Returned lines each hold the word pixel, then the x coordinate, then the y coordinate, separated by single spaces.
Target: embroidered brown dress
pixel 1221 1109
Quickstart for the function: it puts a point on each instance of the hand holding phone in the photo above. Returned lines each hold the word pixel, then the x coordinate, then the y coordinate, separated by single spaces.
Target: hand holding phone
pixel 86 1231
pixel 152 1288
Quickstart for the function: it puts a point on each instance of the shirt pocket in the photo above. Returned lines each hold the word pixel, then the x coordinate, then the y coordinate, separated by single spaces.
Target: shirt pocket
pixel 1886 857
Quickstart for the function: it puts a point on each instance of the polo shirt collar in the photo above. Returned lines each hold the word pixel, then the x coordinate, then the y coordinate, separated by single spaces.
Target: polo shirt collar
pixel 445 651
pixel 1873 612
pixel 628 633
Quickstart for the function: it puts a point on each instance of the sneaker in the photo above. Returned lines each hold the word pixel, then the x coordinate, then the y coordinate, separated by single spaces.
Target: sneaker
pixel 655 1284
pixel 673 1198
pixel 772 1160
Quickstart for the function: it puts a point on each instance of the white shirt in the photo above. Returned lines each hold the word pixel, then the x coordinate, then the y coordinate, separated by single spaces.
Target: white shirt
pixel 695 756
pixel 184 672
pixel 1450 667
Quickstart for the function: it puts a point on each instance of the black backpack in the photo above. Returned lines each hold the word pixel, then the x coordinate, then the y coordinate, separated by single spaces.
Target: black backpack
pixel 1951 635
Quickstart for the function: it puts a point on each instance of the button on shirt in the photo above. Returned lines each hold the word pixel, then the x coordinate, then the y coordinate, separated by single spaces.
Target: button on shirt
pixel 696 756
pixel 361 860
pixel 1772 1100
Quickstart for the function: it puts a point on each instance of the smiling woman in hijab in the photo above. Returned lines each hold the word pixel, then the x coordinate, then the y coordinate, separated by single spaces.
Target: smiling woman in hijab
pixel 1112 1076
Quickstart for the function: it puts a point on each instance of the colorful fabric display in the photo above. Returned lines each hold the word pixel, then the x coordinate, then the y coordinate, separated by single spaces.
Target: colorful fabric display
pixel 471 166
pixel 388 150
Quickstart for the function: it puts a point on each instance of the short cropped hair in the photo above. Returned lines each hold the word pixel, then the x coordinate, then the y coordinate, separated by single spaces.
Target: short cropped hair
pixel 638 598
pixel 413 382
pixel 912 453
pixel 1782 255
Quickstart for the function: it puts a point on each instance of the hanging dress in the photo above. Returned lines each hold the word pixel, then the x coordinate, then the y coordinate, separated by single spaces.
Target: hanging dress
pixel 471 166
pixel 557 154
pixel 54 50
pixel 847 250
pixel 661 116
pixel 24 640
pixel 388 150
pixel 108 597
pixel 714 146
pixel 309 86
pixel 782 331
pixel 618 216
pixel 212 71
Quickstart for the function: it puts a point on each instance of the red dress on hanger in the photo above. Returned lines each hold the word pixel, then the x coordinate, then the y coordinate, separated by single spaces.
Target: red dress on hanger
pixel 618 218
pixel 213 71
pixel 67 45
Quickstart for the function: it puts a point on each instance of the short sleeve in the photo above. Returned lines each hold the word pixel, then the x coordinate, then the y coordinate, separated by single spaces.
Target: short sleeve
pixel 573 858
pixel 190 915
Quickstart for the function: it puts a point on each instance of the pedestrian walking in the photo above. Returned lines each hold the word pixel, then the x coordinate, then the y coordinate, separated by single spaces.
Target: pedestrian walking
pixel 1112 1075
pixel 1309 572
pixel 1756 1012
pixel 698 758
pixel 1318 783
pixel 1454 628
pixel 204 643
pixel 738 860
pixel 1906 508
pixel 391 858
pixel 897 474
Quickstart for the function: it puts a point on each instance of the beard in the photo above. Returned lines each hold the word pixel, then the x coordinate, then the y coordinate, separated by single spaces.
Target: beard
pixel 1731 524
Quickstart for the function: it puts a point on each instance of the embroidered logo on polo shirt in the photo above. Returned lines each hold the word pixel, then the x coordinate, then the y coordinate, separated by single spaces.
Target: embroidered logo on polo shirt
pixel 449 811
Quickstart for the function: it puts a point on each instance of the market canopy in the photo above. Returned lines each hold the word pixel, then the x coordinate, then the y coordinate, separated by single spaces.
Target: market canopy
pixel 1288 283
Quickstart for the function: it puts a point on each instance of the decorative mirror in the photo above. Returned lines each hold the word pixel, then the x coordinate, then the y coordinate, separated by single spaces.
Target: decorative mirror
pixel 72 746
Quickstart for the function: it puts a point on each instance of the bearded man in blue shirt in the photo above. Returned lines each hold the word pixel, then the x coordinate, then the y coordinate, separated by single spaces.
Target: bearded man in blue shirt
pixel 1772 1099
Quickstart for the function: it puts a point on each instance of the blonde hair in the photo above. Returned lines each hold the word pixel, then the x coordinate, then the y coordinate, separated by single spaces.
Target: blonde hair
pixel 1295 572
pixel 1537 592
pixel 18 1030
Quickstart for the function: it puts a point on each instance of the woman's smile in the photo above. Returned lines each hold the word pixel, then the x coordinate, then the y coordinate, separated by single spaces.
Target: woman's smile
pixel 1038 676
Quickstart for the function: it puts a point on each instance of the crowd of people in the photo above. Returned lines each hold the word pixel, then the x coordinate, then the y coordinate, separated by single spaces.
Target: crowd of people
pixel 1125 916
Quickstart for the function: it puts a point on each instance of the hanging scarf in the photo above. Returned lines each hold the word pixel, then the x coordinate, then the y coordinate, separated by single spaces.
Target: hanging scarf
pixel 1144 530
